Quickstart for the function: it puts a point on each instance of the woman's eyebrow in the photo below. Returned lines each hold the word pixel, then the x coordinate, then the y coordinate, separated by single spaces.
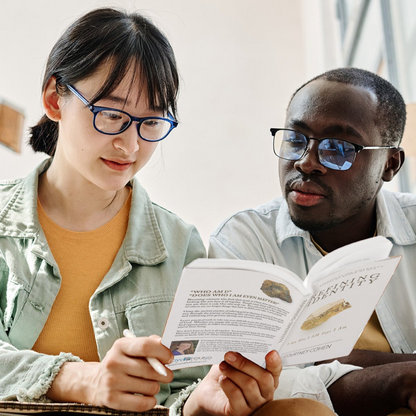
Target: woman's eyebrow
pixel 117 100
pixel 126 102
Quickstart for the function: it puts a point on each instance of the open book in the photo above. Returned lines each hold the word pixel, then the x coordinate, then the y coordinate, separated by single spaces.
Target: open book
pixel 252 307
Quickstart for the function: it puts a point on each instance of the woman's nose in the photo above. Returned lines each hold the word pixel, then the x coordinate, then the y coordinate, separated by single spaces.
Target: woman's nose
pixel 127 141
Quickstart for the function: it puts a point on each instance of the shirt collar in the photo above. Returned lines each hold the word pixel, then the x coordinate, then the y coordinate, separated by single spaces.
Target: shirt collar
pixel 285 228
pixel 391 221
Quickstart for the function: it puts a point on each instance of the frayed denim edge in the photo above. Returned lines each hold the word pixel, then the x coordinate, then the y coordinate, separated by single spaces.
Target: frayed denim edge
pixel 176 408
pixel 38 391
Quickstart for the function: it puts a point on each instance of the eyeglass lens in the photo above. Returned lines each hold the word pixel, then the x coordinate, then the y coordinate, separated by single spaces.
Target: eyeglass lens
pixel 112 121
pixel 333 153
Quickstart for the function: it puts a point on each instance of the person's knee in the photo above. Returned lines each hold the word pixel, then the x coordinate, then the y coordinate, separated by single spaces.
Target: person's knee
pixel 294 407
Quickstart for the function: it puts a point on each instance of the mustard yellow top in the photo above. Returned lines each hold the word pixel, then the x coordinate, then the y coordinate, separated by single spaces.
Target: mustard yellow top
pixel 83 259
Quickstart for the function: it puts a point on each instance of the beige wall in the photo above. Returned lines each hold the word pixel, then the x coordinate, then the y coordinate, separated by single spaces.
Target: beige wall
pixel 240 61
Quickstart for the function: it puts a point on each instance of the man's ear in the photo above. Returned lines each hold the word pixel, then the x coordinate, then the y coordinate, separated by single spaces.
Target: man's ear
pixel 393 165
pixel 51 100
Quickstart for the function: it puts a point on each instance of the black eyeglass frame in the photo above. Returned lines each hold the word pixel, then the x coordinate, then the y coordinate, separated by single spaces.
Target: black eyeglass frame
pixel 357 147
pixel 95 110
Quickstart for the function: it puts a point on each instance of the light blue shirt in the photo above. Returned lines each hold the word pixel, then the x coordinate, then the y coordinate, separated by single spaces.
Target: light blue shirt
pixel 136 293
pixel 267 234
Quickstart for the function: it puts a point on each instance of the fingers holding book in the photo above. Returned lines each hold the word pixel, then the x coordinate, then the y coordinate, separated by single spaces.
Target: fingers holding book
pixel 253 380
pixel 236 386
pixel 123 380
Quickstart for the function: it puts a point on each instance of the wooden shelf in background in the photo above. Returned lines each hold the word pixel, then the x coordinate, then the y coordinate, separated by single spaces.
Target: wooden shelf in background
pixel 11 126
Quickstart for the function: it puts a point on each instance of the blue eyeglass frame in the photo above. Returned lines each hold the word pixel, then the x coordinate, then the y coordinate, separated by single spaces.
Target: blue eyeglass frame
pixel 357 147
pixel 95 110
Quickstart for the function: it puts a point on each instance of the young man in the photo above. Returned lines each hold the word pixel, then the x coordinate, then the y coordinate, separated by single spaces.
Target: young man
pixel 340 143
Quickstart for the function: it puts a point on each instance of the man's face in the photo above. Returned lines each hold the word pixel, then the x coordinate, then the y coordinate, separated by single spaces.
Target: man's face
pixel 319 198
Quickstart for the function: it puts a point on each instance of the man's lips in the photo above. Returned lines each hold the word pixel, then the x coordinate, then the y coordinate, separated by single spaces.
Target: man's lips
pixel 118 165
pixel 306 194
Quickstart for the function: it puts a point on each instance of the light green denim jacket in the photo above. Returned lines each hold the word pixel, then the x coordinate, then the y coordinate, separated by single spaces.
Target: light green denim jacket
pixel 136 293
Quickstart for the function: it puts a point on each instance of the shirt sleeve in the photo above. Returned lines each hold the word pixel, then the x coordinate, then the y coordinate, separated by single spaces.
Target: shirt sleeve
pixel 311 382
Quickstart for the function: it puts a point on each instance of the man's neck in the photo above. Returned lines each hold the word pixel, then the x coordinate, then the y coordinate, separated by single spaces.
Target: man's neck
pixel 344 234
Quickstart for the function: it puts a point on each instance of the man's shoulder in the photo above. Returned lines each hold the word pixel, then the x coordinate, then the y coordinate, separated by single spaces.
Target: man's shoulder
pixel 262 216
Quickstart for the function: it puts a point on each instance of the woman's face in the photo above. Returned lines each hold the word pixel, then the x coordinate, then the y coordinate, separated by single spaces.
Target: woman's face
pixel 184 346
pixel 86 155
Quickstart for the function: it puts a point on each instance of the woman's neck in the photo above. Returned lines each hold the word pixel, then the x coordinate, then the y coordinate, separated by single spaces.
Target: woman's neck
pixel 78 207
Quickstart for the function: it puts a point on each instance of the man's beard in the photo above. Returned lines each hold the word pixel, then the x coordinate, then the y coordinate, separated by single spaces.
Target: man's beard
pixel 314 226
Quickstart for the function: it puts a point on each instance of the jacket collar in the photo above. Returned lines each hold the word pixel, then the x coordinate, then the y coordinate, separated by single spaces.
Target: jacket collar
pixel 143 243
pixel 18 205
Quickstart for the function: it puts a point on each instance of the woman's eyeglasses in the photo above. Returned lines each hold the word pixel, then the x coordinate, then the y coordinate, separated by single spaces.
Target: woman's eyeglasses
pixel 112 121
pixel 333 153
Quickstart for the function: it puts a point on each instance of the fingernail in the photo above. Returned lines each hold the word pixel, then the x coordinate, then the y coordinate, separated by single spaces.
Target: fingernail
pixel 230 356
pixel 223 365
pixel 274 356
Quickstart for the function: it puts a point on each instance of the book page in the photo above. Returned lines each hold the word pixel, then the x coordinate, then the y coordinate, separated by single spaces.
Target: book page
pixel 230 305
pixel 370 249
pixel 336 314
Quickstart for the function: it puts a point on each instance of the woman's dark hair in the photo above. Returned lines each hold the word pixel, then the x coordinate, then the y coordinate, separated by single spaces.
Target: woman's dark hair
pixel 121 40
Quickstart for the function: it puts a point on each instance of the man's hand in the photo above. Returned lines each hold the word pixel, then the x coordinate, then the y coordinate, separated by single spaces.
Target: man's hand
pixel 236 387
pixel 116 381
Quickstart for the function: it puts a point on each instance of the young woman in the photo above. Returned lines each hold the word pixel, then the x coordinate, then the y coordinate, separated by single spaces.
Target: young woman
pixel 84 253
pixel 182 348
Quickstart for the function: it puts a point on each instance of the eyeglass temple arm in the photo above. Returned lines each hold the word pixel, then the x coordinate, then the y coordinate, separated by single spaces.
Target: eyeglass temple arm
pixel 378 147
pixel 75 92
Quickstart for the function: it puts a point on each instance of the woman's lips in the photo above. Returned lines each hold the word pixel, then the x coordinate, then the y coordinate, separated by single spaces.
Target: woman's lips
pixel 118 166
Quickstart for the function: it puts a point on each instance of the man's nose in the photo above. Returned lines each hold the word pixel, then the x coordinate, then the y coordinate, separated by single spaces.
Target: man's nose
pixel 309 163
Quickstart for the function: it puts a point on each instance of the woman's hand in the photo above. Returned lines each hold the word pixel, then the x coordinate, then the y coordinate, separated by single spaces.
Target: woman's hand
pixel 236 387
pixel 116 381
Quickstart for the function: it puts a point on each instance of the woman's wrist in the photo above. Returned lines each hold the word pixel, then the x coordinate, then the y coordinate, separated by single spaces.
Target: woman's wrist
pixel 69 385
pixel 189 406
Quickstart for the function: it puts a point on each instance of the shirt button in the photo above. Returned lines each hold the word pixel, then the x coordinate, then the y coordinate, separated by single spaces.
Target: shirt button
pixel 103 323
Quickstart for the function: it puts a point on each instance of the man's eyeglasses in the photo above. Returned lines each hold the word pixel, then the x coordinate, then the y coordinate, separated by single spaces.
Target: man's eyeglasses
pixel 333 153
pixel 112 121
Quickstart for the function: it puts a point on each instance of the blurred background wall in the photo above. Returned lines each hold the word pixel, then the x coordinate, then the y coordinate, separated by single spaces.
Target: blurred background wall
pixel 239 61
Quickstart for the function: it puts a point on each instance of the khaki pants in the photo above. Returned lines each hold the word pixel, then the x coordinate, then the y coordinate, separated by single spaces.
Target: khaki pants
pixel 294 407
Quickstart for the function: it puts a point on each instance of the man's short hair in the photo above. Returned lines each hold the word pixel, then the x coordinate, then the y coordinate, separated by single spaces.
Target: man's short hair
pixel 391 108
